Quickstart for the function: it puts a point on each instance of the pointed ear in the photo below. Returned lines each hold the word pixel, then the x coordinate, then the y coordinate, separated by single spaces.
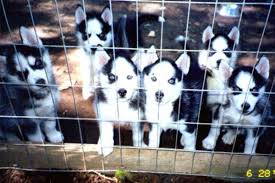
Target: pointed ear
pixel 207 34
pixel 183 62
pixel 234 34
pixel 79 15
pixel 29 37
pixel 101 58
pixel 143 59
pixel 263 67
pixel 106 15
pixel 225 71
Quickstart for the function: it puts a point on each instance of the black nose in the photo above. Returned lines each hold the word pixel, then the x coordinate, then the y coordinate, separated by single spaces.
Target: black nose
pixel 122 92
pixel 93 49
pixel 245 106
pixel 218 63
pixel 41 82
pixel 159 95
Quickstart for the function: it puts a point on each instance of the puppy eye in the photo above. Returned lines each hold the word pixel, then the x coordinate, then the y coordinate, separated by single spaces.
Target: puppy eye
pixel 89 35
pixel 129 77
pixel 112 77
pixel 236 90
pixel 154 78
pixel 172 81
pixel 254 89
pixel 38 63
pixel 227 52
pixel 101 36
pixel 211 53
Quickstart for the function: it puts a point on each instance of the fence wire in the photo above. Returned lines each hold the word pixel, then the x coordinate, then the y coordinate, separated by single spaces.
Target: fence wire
pixel 64 20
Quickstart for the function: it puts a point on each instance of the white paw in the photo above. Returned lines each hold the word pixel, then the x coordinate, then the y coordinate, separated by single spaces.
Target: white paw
pixel 228 138
pixel 189 148
pixel 144 145
pixel 209 143
pixel 55 137
pixel 86 93
pixel 249 151
pixel 36 138
pixel 105 151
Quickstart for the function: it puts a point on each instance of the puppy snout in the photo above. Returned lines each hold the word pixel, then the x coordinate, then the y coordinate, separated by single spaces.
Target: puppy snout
pixel 122 92
pixel 159 95
pixel 41 82
pixel 218 63
pixel 245 106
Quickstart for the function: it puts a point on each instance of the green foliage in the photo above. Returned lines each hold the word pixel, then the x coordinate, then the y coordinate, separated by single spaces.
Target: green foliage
pixel 123 175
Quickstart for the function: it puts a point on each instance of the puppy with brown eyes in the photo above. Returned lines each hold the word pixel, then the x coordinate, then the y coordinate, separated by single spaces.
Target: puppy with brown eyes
pixel 247 106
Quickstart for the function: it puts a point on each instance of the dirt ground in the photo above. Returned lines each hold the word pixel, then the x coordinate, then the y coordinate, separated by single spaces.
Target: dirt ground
pixel 66 59
pixel 16 176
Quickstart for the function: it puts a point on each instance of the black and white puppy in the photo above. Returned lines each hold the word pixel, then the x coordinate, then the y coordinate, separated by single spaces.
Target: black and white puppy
pixel 95 29
pixel 220 50
pixel 247 105
pixel 168 105
pixel 27 92
pixel 117 98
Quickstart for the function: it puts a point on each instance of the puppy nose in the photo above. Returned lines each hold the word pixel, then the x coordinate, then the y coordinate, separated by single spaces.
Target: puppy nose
pixel 245 106
pixel 41 82
pixel 219 62
pixel 122 92
pixel 159 95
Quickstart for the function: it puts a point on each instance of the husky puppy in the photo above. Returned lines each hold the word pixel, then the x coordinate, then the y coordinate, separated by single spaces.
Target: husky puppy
pixel 247 105
pixel 117 98
pixel 221 50
pixel 167 105
pixel 29 72
pixel 93 29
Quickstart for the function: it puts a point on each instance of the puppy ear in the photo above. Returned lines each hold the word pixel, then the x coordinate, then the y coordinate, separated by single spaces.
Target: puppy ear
pixel 29 37
pixel 79 14
pixel 143 59
pixel 234 34
pixel 207 34
pixel 183 62
pixel 225 71
pixel 263 67
pixel 106 15
pixel 101 58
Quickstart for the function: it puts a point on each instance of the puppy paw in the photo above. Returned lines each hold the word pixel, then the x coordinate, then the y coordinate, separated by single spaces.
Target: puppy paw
pixel 105 151
pixel 55 137
pixel 36 138
pixel 228 138
pixel 189 148
pixel 209 143
pixel 144 145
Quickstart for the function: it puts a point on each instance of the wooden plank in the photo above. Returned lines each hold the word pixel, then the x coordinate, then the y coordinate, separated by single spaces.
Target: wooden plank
pixel 71 156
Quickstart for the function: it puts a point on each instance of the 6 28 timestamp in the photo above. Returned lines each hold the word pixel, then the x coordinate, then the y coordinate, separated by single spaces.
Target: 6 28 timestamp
pixel 261 173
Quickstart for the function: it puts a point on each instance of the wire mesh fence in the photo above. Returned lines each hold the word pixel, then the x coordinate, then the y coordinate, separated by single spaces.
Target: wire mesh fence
pixel 66 125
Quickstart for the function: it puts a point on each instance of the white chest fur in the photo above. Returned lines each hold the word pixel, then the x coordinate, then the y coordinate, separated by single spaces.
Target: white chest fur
pixel 218 95
pixel 161 114
pixel 117 111
pixel 233 116
pixel 45 107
